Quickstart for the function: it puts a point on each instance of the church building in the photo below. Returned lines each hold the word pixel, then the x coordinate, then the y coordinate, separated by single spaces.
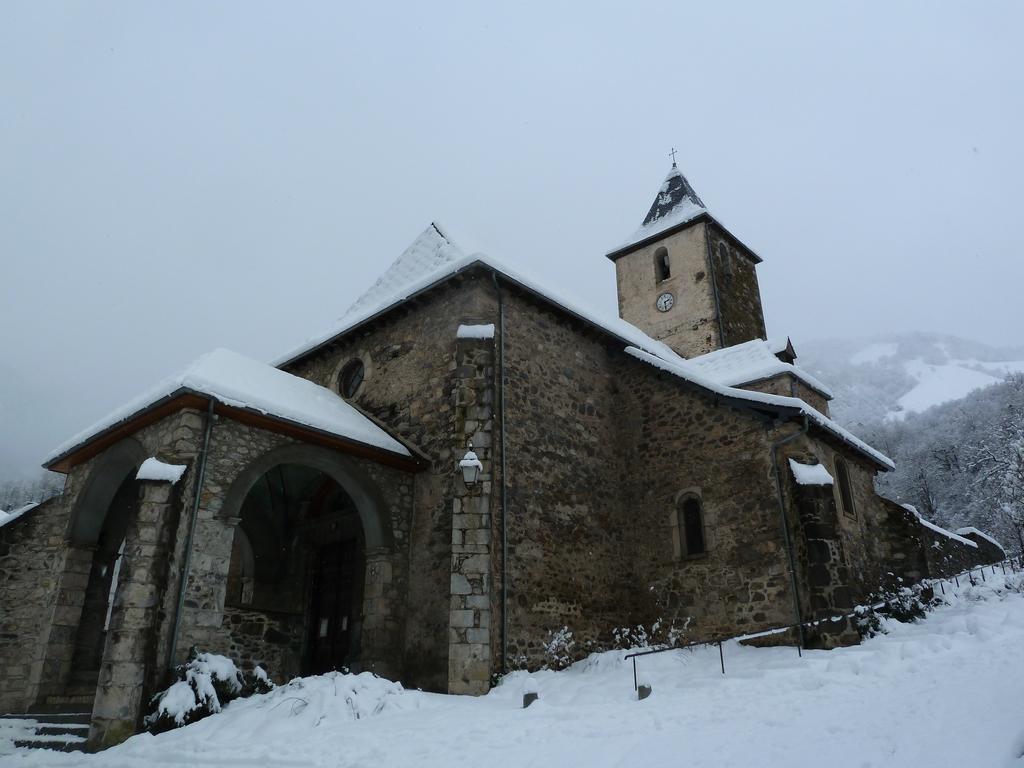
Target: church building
pixel 466 464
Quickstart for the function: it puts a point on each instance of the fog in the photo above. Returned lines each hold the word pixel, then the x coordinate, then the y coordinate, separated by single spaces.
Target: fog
pixel 177 177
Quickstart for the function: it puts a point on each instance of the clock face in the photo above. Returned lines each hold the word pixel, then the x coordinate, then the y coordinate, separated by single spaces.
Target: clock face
pixel 665 302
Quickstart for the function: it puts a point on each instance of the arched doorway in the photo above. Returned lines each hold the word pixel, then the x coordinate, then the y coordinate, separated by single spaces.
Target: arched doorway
pixel 101 587
pixel 99 521
pixel 295 581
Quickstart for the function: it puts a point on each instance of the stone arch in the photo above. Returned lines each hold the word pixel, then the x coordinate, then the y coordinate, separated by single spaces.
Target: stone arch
pixel 360 488
pixel 112 467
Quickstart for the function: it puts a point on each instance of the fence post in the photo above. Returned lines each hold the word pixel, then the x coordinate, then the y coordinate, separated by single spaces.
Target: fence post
pixel 721 656
pixel 982 573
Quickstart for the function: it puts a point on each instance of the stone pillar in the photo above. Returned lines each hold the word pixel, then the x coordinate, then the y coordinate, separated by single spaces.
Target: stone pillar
pixel 51 667
pixel 378 638
pixel 130 669
pixel 827 572
pixel 469 618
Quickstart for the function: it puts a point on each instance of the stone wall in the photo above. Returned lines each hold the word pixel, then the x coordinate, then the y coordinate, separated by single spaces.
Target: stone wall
pixel 691 326
pixel 473 536
pixel 687 443
pixel 411 377
pixel 567 557
pixel 32 553
pixel 601 447
pixel 50 613
pixel 988 550
pixel 739 296
pixel 945 555
pixel 270 639
pixel 235 449
pixel 788 385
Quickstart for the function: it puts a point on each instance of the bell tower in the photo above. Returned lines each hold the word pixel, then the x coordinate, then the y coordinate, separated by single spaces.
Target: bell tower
pixel 684 279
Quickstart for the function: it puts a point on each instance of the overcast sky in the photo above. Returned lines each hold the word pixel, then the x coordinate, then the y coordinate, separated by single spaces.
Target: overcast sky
pixel 176 177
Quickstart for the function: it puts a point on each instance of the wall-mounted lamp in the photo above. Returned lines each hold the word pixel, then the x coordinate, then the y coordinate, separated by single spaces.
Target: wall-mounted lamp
pixel 471 469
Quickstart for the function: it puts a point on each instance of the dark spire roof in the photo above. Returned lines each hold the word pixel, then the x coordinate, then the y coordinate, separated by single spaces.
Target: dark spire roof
pixel 674 191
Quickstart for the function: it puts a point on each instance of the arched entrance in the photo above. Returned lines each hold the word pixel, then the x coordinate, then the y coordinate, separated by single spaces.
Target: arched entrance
pixel 101 587
pixel 98 526
pixel 294 599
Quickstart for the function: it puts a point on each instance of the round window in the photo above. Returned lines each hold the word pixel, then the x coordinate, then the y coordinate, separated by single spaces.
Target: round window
pixel 351 377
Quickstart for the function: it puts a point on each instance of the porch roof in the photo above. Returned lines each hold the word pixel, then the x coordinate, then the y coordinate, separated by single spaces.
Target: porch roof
pixel 248 391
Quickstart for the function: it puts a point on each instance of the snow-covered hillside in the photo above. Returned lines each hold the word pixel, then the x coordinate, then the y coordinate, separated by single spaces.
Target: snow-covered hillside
pixel 941 693
pixel 887 377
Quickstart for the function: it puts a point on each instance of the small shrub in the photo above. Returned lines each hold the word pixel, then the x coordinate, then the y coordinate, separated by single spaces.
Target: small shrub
pixel 204 686
pixel 894 601
pixel 558 649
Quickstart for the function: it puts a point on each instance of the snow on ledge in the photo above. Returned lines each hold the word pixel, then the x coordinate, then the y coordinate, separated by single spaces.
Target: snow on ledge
pixel 981 535
pixel 14 514
pixel 475 331
pixel 939 530
pixel 810 474
pixel 154 469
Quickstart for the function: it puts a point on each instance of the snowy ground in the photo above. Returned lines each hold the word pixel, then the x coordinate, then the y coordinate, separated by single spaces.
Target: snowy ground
pixel 944 692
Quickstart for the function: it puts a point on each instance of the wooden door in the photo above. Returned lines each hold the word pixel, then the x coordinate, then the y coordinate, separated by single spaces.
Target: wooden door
pixel 333 612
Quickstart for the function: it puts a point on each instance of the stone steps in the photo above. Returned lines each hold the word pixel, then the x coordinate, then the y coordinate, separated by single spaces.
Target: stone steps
pixel 61 731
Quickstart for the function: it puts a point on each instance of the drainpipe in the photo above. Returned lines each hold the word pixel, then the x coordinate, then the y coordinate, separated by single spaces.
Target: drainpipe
pixel 191 534
pixel 785 526
pixel 500 376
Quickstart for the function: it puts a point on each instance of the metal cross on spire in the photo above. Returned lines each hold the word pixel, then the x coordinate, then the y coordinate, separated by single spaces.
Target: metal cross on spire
pixel 672 154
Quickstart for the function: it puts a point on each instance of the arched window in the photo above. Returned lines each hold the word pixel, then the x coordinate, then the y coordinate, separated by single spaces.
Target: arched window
pixel 351 377
pixel 691 527
pixel 845 492
pixel 661 266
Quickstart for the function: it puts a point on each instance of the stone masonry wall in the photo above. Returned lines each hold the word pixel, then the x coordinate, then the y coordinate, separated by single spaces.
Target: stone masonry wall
pixel 567 561
pixel 32 551
pixel 411 364
pixel 50 612
pixel 787 385
pixel 739 296
pixel 472 586
pixel 205 622
pixel 691 326
pixel 687 444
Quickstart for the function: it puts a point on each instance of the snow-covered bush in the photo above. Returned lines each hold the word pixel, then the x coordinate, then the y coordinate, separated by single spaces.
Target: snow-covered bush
pixel 558 649
pixel 660 635
pixel 205 684
pixel 895 601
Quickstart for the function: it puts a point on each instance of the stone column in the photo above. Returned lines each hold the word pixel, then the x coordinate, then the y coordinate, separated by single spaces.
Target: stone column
pixel 52 666
pixel 130 671
pixel 469 619
pixel 378 639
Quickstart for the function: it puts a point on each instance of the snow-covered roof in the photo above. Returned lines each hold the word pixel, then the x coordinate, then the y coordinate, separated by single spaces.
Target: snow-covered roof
pixel 938 529
pixel 749 362
pixel 675 204
pixel 681 368
pixel 238 381
pixel 434 257
pixel 14 514
pixel 972 531
pixel 154 469
pixel 810 474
